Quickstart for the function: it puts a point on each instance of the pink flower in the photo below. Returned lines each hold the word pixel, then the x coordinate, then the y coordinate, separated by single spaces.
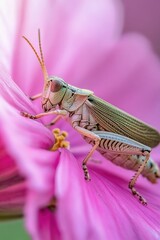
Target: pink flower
pixel 81 43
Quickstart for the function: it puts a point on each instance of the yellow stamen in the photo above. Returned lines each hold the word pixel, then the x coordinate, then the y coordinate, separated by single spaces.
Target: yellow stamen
pixel 56 131
pixel 60 141
pixel 65 134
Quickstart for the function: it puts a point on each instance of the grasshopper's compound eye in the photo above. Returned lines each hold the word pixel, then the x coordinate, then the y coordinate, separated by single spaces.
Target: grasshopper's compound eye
pixel 56 85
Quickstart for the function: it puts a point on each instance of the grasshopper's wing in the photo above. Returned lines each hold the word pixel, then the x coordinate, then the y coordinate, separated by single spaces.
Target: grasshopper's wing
pixel 114 120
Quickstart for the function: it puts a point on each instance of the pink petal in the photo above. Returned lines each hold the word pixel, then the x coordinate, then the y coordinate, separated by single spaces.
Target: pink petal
pixel 97 209
pixel 13 94
pixel 47 220
pixel 12 200
pixel 26 141
pixel 24 148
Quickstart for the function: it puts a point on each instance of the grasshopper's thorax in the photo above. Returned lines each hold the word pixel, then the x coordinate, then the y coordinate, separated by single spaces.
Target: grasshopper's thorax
pixel 53 93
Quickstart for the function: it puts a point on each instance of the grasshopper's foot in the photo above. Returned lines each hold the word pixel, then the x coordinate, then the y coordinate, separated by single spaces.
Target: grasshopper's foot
pixel 27 115
pixel 86 173
pixel 137 194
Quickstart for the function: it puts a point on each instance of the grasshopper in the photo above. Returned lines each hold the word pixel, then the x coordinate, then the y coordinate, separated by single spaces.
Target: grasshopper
pixel 118 136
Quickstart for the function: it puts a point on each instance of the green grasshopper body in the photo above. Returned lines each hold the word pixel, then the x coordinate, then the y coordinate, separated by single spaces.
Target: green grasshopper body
pixel 119 137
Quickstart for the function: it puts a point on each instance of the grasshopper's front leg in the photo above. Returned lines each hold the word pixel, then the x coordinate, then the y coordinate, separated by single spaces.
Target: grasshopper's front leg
pixel 57 112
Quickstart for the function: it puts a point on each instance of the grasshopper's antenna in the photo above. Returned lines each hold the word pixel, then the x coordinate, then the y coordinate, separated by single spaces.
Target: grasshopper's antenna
pixel 41 60
pixel 40 46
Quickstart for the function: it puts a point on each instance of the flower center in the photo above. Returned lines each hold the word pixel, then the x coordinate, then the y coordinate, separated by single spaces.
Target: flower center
pixel 60 141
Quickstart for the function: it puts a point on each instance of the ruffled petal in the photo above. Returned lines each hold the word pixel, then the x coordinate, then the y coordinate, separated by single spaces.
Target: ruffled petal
pixel 24 149
pixel 103 208
pixel 28 143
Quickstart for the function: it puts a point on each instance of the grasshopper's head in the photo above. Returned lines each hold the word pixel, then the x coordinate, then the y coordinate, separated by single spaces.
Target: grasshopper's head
pixel 53 93
pixel 54 87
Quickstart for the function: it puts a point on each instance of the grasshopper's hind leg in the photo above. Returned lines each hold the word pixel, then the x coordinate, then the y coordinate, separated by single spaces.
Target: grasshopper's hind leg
pixel 112 144
pixel 134 179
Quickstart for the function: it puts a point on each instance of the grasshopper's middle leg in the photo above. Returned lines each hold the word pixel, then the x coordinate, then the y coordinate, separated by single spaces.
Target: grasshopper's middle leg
pixel 96 139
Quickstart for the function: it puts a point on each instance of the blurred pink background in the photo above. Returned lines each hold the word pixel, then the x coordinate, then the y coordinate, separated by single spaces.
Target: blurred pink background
pixel 143 16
